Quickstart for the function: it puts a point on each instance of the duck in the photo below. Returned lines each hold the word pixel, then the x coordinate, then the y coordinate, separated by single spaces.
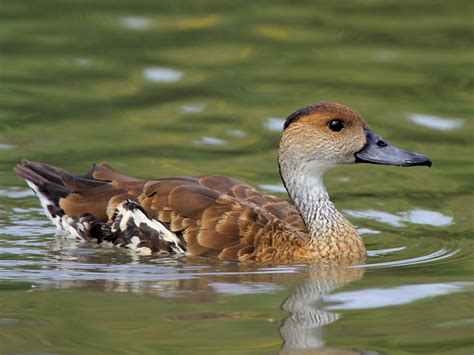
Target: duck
pixel 221 217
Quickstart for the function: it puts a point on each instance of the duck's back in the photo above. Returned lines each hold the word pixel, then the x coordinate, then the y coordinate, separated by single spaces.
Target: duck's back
pixel 200 215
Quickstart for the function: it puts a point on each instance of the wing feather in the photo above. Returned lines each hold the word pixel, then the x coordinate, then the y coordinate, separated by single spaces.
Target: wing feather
pixel 216 216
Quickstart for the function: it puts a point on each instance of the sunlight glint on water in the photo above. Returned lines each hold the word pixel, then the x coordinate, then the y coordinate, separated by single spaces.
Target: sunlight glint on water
pixel 185 88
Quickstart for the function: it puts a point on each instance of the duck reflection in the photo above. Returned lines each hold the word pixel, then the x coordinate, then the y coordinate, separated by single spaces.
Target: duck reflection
pixel 203 281
pixel 303 328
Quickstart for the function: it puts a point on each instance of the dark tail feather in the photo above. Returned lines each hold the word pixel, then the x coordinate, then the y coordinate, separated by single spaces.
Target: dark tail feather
pixel 56 183
pixel 51 184
pixel 85 211
pixel 48 179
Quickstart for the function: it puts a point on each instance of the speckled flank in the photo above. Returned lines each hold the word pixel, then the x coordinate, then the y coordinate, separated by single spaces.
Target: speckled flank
pixel 217 216
pixel 143 234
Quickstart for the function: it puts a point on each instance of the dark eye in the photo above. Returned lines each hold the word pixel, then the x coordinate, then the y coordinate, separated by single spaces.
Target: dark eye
pixel 336 125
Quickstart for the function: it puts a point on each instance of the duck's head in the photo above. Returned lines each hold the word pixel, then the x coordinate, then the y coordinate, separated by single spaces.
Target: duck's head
pixel 324 135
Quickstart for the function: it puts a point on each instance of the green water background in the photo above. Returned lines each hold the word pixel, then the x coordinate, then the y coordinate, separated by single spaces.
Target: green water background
pixel 74 90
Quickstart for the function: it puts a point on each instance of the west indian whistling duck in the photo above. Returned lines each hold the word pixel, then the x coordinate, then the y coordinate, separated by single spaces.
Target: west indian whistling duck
pixel 217 216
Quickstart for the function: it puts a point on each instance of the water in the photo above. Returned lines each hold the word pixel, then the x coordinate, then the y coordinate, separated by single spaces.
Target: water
pixel 180 88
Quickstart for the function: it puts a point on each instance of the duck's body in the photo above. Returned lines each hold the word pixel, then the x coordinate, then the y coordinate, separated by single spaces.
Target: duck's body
pixel 218 216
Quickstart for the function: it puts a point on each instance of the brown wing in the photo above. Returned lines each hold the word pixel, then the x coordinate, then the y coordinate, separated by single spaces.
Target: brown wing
pixel 218 216
pixel 252 197
pixel 110 188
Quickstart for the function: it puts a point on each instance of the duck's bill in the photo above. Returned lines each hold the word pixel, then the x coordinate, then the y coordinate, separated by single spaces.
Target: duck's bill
pixel 379 151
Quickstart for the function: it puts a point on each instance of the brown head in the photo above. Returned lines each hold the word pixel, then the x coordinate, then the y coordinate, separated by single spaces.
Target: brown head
pixel 324 135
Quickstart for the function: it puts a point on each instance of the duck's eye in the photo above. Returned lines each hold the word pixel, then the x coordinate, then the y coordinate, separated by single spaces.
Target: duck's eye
pixel 336 125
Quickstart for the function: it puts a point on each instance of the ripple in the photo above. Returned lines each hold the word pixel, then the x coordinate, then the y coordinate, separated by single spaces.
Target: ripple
pixel 24 222
pixel 363 231
pixel 244 288
pixel 83 62
pixel 19 251
pixel 274 124
pixel 438 255
pixel 4 146
pixel 456 323
pixel 136 23
pixel 193 108
pixel 64 262
pixel 16 192
pixel 27 229
pixel 138 277
pixel 414 216
pixel 435 122
pixel 343 179
pixel 211 141
pixel 9 321
pixel 378 297
pixel 162 75
pixel 386 55
pixel 272 187
pixel 387 251
pixel 236 133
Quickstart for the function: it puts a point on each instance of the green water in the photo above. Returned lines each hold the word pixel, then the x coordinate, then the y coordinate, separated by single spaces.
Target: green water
pixel 200 87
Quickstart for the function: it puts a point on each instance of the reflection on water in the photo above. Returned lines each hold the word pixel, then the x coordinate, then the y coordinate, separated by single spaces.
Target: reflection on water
pixel 429 258
pixel 50 263
pixel 211 141
pixel 309 295
pixel 273 188
pixel 162 75
pixel 236 133
pixel 4 146
pixel 416 216
pixel 384 251
pixel 193 108
pixel 275 124
pixel 67 259
pixel 83 62
pixel 375 298
pixel 363 231
pixel 136 23
pixel 15 192
pixel 170 88
pixel 435 122
pixel 303 329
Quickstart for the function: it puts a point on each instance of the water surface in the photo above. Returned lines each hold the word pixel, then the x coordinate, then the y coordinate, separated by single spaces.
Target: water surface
pixel 181 88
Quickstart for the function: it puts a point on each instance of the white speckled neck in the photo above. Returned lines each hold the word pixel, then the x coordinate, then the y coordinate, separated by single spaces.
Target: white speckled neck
pixel 306 188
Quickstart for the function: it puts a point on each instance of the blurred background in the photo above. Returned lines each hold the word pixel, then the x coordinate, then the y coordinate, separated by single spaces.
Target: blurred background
pixel 162 88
